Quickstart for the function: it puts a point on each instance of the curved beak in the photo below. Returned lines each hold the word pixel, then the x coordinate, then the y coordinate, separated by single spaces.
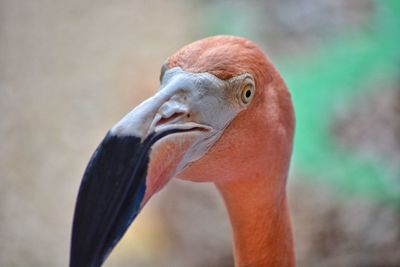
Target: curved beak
pixel 126 167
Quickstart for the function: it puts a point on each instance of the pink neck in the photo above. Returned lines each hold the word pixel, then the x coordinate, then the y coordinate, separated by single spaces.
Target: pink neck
pixel 260 221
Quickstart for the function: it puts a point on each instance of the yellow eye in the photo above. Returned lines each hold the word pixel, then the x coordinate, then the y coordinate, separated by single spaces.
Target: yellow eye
pixel 247 93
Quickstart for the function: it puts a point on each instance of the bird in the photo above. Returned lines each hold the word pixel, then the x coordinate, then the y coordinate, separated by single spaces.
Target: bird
pixel 222 114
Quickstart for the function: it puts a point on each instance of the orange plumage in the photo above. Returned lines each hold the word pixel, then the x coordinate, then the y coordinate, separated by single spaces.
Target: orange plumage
pixel 253 153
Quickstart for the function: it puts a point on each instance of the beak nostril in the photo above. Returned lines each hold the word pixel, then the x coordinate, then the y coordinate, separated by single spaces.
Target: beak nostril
pixel 165 120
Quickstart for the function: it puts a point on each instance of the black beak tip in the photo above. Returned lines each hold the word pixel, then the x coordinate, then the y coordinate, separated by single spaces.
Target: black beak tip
pixel 109 198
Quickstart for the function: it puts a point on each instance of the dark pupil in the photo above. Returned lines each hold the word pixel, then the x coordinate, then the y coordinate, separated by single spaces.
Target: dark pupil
pixel 248 93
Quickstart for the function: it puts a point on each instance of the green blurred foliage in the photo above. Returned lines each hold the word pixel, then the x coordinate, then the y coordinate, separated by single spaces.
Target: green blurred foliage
pixel 337 71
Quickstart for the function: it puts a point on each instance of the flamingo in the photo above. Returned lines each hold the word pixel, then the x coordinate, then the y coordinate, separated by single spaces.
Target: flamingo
pixel 222 114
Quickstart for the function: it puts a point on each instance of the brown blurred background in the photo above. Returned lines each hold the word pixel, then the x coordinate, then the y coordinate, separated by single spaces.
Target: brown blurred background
pixel 70 69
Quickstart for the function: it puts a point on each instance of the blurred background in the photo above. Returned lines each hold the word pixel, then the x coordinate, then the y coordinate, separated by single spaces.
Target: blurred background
pixel 70 69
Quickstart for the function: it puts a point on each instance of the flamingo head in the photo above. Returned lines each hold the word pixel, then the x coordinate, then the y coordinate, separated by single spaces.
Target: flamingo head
pixel 221 109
